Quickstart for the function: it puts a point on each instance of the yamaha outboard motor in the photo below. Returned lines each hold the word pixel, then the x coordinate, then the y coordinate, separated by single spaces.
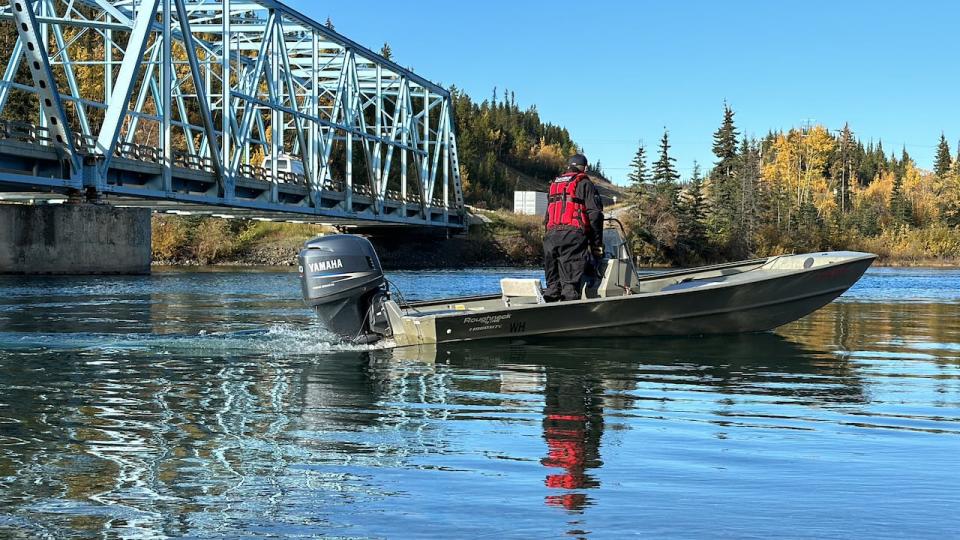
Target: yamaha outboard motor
pixel 342 280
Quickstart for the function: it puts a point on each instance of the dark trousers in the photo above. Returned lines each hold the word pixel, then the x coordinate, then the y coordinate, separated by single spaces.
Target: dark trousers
pixel 565 260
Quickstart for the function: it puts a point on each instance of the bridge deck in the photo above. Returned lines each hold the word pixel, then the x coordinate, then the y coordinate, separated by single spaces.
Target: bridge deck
pixel 24 166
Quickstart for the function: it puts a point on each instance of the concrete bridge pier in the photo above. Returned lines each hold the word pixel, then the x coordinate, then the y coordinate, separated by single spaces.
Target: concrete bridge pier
pixel 79 238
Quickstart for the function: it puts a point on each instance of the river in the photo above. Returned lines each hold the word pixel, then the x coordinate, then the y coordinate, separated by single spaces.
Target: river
pixel 207 405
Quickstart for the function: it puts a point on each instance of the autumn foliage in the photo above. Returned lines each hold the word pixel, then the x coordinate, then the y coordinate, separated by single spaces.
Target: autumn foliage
pixel 804 189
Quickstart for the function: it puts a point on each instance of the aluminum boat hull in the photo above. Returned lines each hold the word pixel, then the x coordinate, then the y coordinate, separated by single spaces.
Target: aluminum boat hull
pixel 751 296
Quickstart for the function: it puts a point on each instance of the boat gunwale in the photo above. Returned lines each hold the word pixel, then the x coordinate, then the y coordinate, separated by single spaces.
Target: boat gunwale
pixel 862 256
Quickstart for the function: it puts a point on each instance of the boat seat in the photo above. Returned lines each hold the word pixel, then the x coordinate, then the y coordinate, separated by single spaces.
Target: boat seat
pixel 521 291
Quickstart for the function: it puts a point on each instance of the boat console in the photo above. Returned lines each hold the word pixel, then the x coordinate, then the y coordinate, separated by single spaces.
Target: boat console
pixel 616 271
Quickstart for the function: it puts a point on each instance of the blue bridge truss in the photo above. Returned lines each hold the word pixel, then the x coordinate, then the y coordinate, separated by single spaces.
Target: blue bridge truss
pixel 233 108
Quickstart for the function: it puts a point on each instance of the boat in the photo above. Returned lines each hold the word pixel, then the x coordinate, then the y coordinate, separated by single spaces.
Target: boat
pixel 342 280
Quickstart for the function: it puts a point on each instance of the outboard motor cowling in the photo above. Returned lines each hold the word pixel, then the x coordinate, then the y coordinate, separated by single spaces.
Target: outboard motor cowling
pixel 341 279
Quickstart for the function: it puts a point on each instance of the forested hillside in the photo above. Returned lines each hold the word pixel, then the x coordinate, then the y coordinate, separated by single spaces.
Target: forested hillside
pixel 804 189
pixel 496 136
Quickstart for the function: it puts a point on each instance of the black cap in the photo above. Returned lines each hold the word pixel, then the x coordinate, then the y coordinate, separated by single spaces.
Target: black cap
pixel 578 159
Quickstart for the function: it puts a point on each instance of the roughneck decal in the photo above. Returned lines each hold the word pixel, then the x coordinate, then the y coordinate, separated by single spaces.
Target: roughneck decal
pixel 487 322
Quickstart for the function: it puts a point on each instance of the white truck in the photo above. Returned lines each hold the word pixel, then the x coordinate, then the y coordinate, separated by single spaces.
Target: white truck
pixel 285 164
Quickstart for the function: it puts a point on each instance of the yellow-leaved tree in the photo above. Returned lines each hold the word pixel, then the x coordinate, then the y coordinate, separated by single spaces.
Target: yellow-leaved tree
pixel 817 147
pixel 920 189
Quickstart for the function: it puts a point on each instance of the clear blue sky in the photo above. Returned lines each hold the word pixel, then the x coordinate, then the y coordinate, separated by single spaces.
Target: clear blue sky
pixel 617 72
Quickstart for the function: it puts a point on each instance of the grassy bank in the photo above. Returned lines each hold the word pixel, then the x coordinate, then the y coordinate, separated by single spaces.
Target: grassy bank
pixel 193 240
pixel 502 239
pixel 936 245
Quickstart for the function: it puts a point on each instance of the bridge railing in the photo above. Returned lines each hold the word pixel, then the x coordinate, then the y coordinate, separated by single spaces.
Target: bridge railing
pixel 39 136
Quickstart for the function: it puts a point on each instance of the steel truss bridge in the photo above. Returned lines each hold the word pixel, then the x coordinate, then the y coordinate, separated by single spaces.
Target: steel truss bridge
pixel 240 108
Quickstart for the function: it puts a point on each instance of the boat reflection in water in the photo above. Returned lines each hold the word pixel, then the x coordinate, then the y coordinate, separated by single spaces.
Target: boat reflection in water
pixel 584 383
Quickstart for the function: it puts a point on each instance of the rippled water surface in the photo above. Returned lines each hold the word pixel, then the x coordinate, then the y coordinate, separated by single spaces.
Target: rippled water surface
pixel 208 404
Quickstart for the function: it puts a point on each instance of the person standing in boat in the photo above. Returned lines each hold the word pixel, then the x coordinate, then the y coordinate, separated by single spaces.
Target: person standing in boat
pixel 573 242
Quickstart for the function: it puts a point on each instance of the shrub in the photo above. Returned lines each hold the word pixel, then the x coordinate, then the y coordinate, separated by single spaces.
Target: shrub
pixel 170 237
pixel 214 240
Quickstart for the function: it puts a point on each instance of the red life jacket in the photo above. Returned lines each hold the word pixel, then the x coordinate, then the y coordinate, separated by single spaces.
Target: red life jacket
pixel 563 205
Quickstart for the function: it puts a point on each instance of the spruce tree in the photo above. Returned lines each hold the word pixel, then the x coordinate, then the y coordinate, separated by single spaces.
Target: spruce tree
pixel 724 190
pixel 386 51
pixel 845 162
pixel 725 143
pixel 692 213
pixel 956 162
pixel 657 208
pixel 665 174
pixel 639 175
pixel 868 166
pixel 943 163
pixel 899 166
pixel 747 205
pixel 596 169
pixel 899 205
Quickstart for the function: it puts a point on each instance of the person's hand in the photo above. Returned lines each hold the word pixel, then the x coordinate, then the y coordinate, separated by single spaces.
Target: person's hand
pixel 597 252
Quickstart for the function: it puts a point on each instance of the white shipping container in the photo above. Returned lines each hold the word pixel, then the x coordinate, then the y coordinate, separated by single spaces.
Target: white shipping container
pixel 530 203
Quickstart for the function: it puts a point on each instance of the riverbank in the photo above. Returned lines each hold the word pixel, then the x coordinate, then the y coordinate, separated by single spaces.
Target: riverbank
pixel 937 245
pixel 497 239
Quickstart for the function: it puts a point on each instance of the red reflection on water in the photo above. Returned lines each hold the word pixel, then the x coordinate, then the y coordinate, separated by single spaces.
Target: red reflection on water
pixel 572 427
